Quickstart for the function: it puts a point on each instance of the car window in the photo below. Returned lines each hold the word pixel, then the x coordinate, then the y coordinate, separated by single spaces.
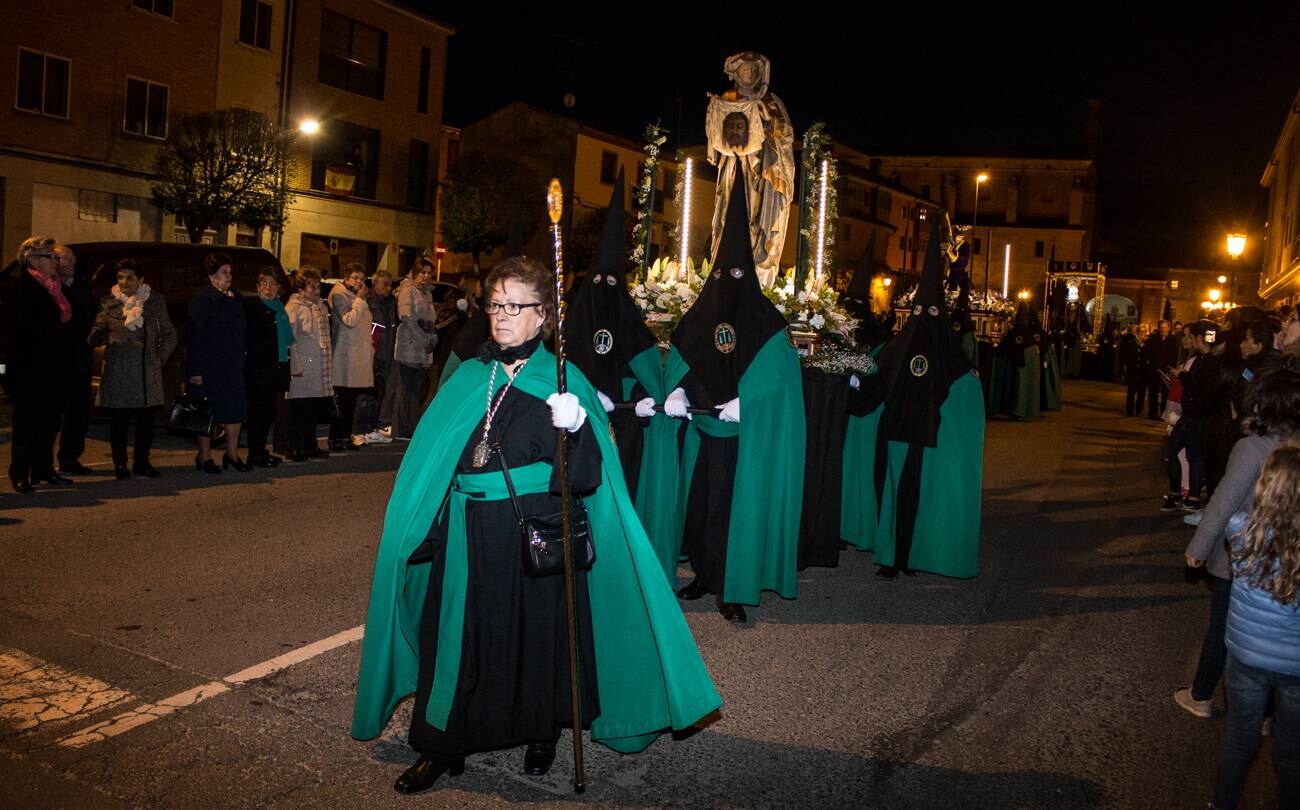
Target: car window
pixel 178 279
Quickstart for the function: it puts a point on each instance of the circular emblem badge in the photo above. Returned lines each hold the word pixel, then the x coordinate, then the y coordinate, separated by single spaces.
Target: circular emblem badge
pixel 724 338
pixel 602 341
pixel 737 272
pixel 956 327
pixel 1019 339
pixel 919 366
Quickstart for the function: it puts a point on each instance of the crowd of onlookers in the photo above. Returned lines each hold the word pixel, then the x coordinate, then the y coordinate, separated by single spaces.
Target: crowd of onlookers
pixel 271 367
pixel 1229 394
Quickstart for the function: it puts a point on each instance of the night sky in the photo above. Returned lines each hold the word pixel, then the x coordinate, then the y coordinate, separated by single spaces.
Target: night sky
pixel 1192 105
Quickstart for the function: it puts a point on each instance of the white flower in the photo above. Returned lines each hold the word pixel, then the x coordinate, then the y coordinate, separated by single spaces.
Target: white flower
pixel 817 321
pixel 663 301
pixel 683 290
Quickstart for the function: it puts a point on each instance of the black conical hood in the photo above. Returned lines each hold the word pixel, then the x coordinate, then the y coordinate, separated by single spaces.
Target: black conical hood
pixel 731 320
pixel 515 241
pixel 920 364
pixel 603 329
pixel 860 285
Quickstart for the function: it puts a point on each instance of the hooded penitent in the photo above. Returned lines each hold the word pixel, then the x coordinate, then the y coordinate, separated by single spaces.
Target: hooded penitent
pixel 603 329
pixel 731 321
pixel 857 299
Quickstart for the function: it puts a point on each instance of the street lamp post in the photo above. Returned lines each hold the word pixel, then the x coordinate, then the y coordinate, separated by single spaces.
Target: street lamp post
pixel 974 233
pixel 1236 244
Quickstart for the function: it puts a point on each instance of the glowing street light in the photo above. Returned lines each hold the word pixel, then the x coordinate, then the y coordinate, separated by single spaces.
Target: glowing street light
pixel 1236 245
pixel 1023 295
pixel 974 221
pixel 1215 294
pixel 1223 279
pixel 309 126
pixel 888 281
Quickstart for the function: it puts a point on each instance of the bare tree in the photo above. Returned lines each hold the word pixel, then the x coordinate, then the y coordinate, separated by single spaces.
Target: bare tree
pixel 223 167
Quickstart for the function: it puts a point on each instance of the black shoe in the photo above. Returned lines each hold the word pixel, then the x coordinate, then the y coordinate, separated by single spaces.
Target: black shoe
pixel 538 758
pixel 264 462
pixel 236 462
pixel 888 572
pixel 75 468
pixel 274 459
pixel 732 612
pixel 121 473
pixel 316 452
pixel 146 469
pixel 296 457
pixel 340 447
pixel 22 485
pixel 425 772
pixel 209 466
pixel 1171 503
pixel 52 478
pixel 693 591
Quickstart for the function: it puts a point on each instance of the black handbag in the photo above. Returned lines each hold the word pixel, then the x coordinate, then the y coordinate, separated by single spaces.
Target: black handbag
pixel 190 416
pixel 541 537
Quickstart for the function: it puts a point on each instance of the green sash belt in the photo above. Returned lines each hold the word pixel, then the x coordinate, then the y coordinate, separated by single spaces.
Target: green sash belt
pixel 715 427
pixel 466 487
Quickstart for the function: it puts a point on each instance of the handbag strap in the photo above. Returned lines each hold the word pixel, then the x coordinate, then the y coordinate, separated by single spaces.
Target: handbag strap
pixel 510 486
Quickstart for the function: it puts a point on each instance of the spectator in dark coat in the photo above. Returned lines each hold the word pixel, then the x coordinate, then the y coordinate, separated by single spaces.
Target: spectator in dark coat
pixel 1189 433
pixel 42 333
pixel 374 416
pixel 1131 372
pixel 1159 357
pixel 134 324
pixel 266 370
pixel 76 408
pixel 216 359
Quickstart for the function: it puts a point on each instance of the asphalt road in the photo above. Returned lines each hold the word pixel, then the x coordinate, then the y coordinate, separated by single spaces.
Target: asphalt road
pixel 132 612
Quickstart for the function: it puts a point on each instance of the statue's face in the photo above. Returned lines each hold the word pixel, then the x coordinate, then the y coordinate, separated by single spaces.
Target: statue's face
pixel 747 74
pixel 735 130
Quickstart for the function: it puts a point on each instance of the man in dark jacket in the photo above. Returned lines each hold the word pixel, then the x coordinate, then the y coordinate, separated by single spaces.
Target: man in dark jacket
pixel 41 332
pixel 1189 433
pixel 1159 354
pixel 76 408
pixel 374 418
pixel 1130 371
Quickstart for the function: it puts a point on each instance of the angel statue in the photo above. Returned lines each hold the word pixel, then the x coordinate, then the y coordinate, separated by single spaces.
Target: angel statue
pixel 748 129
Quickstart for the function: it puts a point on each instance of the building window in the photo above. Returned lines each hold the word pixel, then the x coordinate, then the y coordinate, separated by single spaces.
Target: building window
pixel 978 248
pixel 422 99
pixel 417 175
pixel 1039 247
pixel 352 55
pixel 43 83
pixel 162 8
pixel 846 233
pixel 608 167
pixel 345 160
pixel 670 183
pixel 453 155
pixel 146 108
pixel 96 206
pixel 925 191
pixel 255 23
pixel 248 236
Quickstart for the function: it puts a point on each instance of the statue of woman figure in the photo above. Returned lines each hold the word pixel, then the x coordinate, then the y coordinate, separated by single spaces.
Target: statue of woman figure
pixel 748 128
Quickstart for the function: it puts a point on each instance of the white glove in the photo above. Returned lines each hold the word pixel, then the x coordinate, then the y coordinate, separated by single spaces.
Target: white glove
pixel 605 402
pixel 462 304
pixel 729 412
pixel 854 382
pixel 676 405
pixel 645 407
pixel 566 412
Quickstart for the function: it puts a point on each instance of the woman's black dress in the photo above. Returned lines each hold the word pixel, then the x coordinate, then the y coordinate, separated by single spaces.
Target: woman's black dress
pixel 514 670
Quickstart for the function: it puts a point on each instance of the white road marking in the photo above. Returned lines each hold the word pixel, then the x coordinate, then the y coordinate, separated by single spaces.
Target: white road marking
pixel 148 712
pixel 33 692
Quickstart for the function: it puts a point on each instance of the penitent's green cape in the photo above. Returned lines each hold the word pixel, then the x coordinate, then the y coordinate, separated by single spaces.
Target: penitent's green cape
pixel 947 535
pixel 659 486
pixel 763 538
pixel 1050 382
pixel 650 674
pixel 859 512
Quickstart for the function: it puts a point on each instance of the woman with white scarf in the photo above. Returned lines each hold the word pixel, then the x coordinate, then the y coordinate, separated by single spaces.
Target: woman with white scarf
pixel 310 379
pixel 134 325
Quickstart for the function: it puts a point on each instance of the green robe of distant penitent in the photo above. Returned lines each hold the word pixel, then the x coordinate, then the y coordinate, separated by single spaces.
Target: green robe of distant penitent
pixel 650 674
pixel 763 536
pixel 859 512
pixel 947 532
pixel 659 485
pixel 1050 382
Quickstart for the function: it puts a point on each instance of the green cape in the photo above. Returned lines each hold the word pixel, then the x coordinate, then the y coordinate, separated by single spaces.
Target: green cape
pixel 947 534
pixel 651 677
pixel 1051 383
pixel 1014 390
pixel 859 512
pixel 658 489
pixel 763 538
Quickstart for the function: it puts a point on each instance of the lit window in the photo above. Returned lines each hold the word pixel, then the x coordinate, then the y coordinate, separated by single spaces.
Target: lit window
pixel 43 83
pixel 96 206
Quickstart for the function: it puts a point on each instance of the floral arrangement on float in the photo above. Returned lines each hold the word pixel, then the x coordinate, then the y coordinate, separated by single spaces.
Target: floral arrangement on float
pixel 991 302
pixel 667 292
pixel 816 307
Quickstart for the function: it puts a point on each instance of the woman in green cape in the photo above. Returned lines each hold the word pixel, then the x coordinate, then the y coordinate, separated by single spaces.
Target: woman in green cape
pixel 453 618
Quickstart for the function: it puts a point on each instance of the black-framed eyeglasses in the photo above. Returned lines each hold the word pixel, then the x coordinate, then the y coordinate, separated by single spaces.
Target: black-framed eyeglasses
pixel 512 309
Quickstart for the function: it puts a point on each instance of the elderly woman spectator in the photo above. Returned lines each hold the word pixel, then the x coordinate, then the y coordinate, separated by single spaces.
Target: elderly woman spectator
pixel 310 386
pixel 416 338
pixel 354 372
pixel 216 359
pixel 266 374
pixel 134 325
pixel 43 331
